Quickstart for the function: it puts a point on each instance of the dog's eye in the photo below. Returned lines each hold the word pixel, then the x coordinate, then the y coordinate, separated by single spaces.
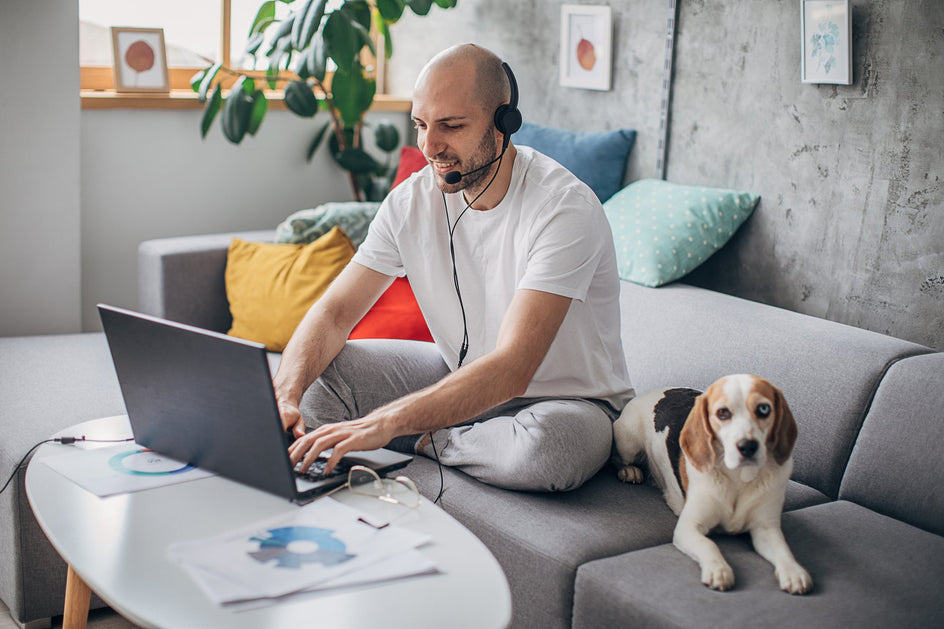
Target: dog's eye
pixel 723 414
pixel 763 410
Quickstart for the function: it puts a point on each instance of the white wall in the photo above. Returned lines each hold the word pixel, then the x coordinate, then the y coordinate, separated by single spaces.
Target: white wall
pixel 148 174
pixel 39 167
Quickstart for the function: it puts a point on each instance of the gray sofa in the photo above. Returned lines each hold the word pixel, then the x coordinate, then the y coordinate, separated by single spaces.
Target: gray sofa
pixel 863 512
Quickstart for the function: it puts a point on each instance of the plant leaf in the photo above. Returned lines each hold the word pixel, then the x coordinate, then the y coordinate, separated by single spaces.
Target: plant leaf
pixel 308 23
pixel 236 112
pixel 347 133
pixel 299 22
pixel 301 67
pixel 207 80
pixel 352 92
pixel 386 136
pixel 357 161
pixel 384 29
pixel 446 4
pixel 317 62
pixel 260 105
pixel 252 45
pixel 358 11
pixel 316 141
pixel 339 37
pixel 283 32
pixel 264 16
pixel 272 76
pixel 300 100
pixel 363 35
pixel 212 108
pixel 390 10
pixel 420 7
pixel 279 52
pixel 196 80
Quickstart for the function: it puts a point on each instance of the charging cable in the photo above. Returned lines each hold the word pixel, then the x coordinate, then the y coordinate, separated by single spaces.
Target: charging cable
pixel 61 440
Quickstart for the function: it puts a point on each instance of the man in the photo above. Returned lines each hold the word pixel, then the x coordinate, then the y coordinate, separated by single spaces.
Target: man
pixel 513 263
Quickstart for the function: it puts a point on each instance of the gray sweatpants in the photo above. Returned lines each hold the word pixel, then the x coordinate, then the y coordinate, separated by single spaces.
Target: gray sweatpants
pixel 537 444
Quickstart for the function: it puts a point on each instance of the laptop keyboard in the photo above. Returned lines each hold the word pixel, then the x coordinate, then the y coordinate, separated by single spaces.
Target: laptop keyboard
pixel 316 471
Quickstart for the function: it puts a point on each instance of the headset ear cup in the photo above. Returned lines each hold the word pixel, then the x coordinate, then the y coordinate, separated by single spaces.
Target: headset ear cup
pixel 507 119
pixel 507 116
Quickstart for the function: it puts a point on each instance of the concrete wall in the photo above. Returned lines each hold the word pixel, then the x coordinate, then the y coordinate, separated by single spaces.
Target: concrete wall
pixel 39 169
pixel 851 222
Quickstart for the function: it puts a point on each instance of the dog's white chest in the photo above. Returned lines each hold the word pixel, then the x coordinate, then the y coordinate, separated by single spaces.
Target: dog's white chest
pixel 738 505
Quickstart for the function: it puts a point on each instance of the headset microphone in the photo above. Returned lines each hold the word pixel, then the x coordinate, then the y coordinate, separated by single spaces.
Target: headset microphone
pixel 454 176
pixel 507 121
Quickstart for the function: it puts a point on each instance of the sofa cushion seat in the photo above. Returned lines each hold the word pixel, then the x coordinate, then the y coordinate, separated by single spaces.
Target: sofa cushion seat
pixel 553 534
pixel 868 570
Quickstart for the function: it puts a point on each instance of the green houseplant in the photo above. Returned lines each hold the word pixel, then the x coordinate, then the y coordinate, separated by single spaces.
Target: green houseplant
pixel 297 50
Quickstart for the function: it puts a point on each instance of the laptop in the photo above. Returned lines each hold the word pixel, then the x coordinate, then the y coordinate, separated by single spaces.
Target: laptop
pixel 207 398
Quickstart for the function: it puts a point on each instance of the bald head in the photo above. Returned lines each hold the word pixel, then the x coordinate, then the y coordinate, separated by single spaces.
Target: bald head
pixel 481 68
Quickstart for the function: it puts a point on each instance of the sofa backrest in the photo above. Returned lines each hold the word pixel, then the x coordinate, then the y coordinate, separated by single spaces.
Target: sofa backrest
pixel 679 335
pixel 182 279
pixel 895 466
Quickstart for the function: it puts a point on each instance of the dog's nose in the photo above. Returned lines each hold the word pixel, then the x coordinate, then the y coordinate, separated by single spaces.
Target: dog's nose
pixel 747 447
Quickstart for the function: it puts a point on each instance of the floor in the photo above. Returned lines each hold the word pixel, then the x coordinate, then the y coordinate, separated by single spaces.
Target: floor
pixel 98 619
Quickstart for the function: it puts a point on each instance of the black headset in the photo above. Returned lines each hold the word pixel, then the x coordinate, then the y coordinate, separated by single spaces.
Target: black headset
pixel 507 120
pixel 507 116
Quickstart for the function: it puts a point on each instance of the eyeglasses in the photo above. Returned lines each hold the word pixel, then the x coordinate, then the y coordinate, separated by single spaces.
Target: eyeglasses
pixel 366 482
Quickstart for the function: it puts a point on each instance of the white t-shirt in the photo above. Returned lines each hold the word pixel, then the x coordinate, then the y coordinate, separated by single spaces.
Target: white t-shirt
pixel 549 233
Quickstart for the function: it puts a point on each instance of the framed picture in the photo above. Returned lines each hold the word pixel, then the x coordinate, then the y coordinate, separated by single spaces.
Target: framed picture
pixel 140 59
pixel 586 48
pixel 826 28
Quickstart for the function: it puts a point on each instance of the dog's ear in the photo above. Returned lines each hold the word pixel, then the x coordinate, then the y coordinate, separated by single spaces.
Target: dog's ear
pixel 783 433
pixel 697 438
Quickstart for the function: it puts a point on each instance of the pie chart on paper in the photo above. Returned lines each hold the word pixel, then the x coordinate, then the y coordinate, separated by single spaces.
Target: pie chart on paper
pixel 146 463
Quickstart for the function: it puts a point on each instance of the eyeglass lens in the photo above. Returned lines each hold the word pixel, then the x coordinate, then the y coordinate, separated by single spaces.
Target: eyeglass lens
pixel 367 482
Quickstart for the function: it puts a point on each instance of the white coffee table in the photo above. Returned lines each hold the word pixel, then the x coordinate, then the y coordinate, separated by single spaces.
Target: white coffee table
pixel 118 547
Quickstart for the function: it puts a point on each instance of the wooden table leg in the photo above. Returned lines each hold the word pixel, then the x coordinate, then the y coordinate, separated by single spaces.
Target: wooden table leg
pixel 78 595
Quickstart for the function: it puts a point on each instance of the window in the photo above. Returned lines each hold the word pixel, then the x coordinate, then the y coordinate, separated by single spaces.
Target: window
pixel 197 34
pixel 193 34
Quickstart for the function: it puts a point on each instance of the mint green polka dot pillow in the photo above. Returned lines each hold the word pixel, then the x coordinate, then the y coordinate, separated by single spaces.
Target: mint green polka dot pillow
pixel 664 230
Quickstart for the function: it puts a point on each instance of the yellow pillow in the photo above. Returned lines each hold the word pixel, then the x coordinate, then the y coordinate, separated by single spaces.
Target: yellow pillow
pixel 270 287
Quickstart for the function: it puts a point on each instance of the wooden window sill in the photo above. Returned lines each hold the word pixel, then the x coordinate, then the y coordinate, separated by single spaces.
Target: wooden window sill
pixel 187 99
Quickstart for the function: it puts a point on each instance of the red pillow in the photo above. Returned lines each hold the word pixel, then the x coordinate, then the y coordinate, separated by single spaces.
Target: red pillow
pixel 411 160
pixel 395 316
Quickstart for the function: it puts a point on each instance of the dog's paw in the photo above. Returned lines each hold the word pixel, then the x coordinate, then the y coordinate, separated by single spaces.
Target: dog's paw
pixel 631 474
pixel 794 579
pixel 718 575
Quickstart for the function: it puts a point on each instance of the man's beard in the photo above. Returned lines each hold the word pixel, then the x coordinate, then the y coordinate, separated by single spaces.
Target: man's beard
pixel 484 153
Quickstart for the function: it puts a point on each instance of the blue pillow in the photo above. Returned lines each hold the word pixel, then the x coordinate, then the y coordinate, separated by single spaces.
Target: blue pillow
pixel 663 230
pixel 597 159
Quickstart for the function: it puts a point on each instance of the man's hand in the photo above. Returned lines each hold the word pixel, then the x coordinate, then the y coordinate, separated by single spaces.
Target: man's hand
pixel 292 419
pixel 366 433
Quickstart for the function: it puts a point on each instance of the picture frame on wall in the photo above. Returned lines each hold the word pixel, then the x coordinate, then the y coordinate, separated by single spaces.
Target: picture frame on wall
pixel 826 32
pixel 586 46
pixel 140 59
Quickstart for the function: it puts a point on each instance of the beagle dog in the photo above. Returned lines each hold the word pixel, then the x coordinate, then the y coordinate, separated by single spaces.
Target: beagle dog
pixel 727 467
